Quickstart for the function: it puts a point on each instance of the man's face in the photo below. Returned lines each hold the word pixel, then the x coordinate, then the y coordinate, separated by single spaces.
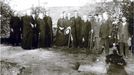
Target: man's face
pixel 61 16
pixel 85 17
pixel 96 17
pixel 75 13
pixel 47 13
pixel 28 13
pixel 105 16
pixel 41 15
pixel 15 13
pixel 89 18
pixel 68 14
pixel 123 19
pixel 64 14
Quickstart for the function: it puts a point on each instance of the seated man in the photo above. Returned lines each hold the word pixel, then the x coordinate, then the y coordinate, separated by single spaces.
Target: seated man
pixel 115 59
pixel 117 64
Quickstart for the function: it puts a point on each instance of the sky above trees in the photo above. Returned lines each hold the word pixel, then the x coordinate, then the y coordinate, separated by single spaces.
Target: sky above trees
pixel 19 5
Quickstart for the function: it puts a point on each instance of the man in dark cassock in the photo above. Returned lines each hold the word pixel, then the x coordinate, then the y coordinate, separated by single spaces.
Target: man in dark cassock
pixel 35 30
pixel 48 30
pixel 76 30
pixel 27 33
pixel 105 32
pixel 116 64
pixel 60 36
pixel 86 28
pixel 42 32
pixel 15 30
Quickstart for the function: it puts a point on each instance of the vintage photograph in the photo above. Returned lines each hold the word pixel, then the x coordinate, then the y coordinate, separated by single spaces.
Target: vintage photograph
pixel 66 37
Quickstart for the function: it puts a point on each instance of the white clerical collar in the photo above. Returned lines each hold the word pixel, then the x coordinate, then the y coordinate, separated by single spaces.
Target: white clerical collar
pixel 124 23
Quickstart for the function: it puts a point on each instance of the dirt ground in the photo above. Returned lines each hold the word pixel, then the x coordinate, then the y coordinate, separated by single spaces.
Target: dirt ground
pixel 55 61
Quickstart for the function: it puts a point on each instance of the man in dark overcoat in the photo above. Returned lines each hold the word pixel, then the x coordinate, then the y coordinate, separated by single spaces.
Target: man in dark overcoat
pixel 76 30
pixel 86 28
pixel 105 32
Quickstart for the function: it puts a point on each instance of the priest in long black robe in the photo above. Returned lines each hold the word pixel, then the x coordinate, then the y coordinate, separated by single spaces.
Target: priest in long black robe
pixel 27 33
pixel 48 30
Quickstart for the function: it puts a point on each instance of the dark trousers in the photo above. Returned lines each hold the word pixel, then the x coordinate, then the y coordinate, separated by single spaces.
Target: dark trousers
pixel 105 42
pixel 124 49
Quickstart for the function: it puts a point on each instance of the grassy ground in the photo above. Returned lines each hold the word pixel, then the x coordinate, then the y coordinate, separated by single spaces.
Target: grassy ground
pixel 54 61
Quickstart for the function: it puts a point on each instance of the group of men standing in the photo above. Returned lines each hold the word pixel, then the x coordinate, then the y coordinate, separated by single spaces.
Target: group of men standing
pixel 95 33
pixel 31 31
pixel 73 31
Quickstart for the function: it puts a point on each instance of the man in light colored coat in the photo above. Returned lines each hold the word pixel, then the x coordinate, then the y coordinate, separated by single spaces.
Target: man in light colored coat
pixel 124 37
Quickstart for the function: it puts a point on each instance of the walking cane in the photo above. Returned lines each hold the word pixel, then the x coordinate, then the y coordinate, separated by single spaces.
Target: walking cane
pixel 69 38
pixel 91 40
